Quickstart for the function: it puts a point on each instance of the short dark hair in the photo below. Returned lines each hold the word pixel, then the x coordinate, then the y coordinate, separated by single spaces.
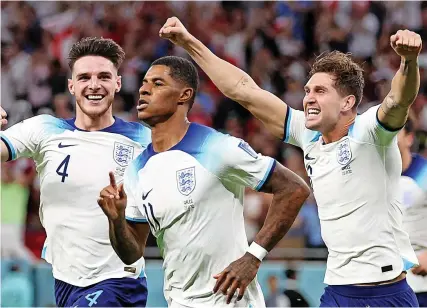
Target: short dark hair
pixel 348 74
pixel 95 46
pixel 182 70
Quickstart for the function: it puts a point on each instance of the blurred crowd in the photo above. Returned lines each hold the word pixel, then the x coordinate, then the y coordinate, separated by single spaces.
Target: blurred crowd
pixel 275 42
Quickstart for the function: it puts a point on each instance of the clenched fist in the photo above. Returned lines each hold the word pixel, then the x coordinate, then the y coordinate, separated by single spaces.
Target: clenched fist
pixel 406 44
pixel 3 116
pixel 174 31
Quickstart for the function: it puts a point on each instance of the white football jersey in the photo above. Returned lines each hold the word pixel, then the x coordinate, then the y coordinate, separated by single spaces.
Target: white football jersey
pixel 413 184
pixel 73 167
pixel 355 182
pixel 192 197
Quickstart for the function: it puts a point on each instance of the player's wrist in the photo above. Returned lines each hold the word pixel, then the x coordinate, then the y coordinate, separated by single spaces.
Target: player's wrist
pixel 257 251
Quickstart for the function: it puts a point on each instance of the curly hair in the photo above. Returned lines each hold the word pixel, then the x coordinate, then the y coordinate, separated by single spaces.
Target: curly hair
pixel 347 73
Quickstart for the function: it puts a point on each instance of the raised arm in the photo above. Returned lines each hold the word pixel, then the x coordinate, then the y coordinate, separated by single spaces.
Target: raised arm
pixel 230 80
pixel 128 239
pixel 394 109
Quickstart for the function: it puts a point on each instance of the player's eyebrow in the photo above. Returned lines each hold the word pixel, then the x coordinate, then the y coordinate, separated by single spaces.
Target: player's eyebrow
pixel 154 79
pixel 316 87
pixel 105 73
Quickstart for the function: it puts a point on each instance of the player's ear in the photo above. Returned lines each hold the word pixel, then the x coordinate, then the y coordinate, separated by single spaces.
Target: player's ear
pixel 71 86
pixel 186 96
pixel 118 83
pixel 348 103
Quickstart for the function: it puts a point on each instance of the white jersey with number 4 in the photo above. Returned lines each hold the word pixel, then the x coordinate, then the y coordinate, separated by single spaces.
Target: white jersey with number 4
pixel 73 167
pixel 192 197
pixel 356 185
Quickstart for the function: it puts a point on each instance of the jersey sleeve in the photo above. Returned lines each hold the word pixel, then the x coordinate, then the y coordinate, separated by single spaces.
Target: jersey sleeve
pixel 132 211
pixel 23 138
pixel 295 131
pixel 240 164
pixel 367 128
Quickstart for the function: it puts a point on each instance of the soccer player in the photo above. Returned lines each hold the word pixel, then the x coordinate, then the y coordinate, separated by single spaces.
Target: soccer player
pixel 414 188
pixel 189 185
pixel 71 156
pixel 352 160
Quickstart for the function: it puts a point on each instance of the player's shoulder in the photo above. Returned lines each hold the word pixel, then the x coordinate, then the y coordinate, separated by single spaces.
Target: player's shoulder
pixel 47 123
pixel 135 131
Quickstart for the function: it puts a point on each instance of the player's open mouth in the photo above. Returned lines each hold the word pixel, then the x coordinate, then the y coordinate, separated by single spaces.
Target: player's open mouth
pixel 312 112
pixel 94 97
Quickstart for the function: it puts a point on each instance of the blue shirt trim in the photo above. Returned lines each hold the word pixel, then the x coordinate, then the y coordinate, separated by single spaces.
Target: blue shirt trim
pixel 43 256
pixel 267 175
pixel 384 127
pixel 137 220
pixel 287 124
pixel 9 145
pixel 131 130
pixel 407 265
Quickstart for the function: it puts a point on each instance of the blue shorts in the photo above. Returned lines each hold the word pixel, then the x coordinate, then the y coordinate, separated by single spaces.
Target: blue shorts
pixel 398 294
pixel 422 299
pixel 116 292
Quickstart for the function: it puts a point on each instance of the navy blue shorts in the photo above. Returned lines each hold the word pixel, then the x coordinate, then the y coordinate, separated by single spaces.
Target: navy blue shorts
pixel 116 292
pixel 422 299
pixel 398 294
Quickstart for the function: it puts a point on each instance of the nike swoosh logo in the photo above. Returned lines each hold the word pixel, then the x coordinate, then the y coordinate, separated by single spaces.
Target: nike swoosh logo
pixel 60 145
pixel 144 196
pixel 308 157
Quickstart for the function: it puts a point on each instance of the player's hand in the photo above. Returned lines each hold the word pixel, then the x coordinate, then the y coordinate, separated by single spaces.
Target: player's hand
pixel 406 44
pixel 238 275
pixel 422 268
pixel 112 199
pixel 3 116
pixel 174 31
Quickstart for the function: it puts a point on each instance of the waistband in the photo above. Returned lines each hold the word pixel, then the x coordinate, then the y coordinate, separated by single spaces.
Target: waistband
pixel 380 290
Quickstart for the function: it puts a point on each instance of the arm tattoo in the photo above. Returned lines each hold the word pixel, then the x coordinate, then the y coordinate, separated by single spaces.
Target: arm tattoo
pixel 124 242
pixel 290 192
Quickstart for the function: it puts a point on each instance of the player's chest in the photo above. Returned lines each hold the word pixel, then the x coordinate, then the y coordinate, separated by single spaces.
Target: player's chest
pixel 169 191
pixel 80 161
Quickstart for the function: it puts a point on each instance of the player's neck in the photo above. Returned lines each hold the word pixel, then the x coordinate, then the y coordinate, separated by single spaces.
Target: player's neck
pixel 85 122
pixel 167 134
pixel 406 159
pixel 340 130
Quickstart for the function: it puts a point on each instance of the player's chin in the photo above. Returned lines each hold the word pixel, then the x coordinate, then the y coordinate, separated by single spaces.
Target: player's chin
pixel 313 124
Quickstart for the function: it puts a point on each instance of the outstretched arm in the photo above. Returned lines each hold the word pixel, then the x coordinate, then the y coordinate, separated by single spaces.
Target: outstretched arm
pixel 393 111
pixel 230 80
pixel 4 150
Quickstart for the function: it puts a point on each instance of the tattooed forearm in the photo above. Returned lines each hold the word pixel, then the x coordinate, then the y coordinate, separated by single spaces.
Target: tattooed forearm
pixel 290 192
pixel 124 242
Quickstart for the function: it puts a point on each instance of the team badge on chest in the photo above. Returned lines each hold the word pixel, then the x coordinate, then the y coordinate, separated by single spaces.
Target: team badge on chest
pixel 123 154
pixel 186 180
pixel 344 152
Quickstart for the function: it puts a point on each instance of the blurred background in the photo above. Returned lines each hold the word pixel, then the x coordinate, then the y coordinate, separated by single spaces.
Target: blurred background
pixel 275 42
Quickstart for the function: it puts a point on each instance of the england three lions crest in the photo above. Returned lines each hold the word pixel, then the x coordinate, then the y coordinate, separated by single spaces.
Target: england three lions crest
pixel 123 154
pixel 186 180
pixel 344 152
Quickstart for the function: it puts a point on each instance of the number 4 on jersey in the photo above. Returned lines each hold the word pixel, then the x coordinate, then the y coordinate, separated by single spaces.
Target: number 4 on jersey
pixel 92 297
pixel 64 165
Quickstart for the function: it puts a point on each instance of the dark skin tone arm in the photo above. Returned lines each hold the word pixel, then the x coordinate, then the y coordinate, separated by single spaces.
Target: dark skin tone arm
pixel 289 193
pixel 127 238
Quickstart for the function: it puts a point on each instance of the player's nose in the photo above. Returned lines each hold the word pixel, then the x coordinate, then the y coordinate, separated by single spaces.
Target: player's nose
pixel 94 84
pixel 145 90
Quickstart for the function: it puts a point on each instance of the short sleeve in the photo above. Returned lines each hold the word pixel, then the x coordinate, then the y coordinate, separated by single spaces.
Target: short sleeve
pixel 367 128
pixel 132 211
pixel 240 164
pixel 25 138
pixel 295 131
